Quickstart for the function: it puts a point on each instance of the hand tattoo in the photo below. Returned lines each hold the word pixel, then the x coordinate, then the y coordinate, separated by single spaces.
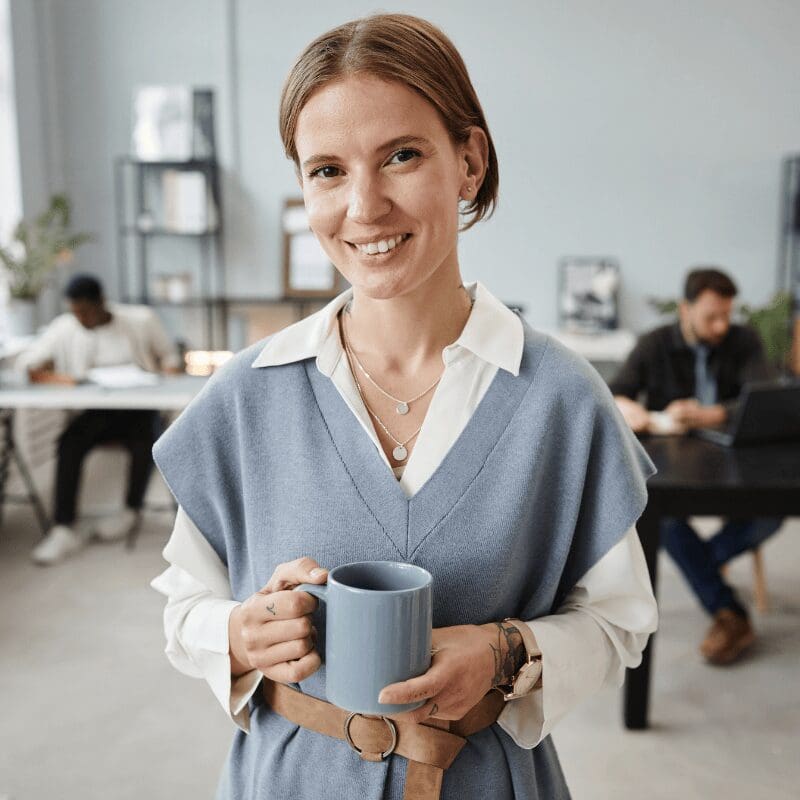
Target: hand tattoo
pixel 433 710
pixel 272 610
pixel 509 654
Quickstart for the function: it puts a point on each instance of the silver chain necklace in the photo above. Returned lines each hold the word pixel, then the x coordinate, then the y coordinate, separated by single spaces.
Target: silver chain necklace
pixel 401 406
pixel 400 453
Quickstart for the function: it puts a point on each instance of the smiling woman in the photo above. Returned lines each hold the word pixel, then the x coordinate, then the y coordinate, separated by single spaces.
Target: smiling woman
pixel 414 419
pixel 410 53
pixel 370 199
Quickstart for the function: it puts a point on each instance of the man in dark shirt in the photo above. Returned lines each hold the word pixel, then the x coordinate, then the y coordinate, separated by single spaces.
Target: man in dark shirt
pixel 692 372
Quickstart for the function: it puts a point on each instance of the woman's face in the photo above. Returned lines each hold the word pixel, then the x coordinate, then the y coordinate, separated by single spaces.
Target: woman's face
pixel 380 173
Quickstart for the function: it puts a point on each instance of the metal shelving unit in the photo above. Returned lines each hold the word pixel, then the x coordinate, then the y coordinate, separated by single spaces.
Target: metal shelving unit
pixel 140 224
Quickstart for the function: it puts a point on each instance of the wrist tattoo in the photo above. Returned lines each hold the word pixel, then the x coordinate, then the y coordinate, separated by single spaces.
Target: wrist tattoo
pixel 509 653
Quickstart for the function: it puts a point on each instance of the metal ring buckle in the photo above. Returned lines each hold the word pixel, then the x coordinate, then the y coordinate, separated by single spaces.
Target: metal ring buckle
pixel 392 728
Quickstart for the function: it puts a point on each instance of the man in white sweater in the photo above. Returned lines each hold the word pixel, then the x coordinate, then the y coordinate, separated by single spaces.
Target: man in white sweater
pixel 94 334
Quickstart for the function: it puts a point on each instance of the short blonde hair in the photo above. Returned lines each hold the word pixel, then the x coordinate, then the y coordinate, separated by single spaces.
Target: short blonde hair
pixel 407 50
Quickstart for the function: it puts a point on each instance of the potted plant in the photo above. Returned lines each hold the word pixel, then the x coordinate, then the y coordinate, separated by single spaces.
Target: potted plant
pixel 773 322
pixel 29 261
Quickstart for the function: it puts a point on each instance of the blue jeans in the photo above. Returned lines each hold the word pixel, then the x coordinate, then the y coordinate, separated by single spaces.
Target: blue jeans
pixel 700 560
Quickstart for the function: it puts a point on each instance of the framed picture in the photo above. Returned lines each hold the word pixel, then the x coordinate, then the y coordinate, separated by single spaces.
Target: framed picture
pixel 173 123
pixel 588 300
pixel 307 270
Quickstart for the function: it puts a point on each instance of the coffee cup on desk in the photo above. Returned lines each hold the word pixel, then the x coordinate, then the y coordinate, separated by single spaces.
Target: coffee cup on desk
pixel 378 631
pixel 662 424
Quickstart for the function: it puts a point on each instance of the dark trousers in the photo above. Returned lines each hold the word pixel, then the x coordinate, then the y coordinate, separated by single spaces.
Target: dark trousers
pixel 135 430
pixel 699 560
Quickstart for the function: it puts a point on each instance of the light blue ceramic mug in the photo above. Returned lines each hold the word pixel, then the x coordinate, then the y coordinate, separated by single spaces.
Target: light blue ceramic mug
pixel 378 631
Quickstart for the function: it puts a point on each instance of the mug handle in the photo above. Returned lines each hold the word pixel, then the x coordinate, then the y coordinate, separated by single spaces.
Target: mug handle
pixel 320 591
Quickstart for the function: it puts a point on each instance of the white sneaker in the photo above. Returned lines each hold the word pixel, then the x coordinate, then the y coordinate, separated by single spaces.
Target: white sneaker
pixel 60 542
pixel 117 526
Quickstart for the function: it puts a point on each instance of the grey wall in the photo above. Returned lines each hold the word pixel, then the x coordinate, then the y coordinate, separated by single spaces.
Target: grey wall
pixel 648 131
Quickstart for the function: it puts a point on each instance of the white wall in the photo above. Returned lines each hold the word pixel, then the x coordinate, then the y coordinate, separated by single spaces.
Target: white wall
pixel 648 131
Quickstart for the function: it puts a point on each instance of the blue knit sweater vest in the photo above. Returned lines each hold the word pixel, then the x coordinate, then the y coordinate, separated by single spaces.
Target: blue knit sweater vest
pixel 271 465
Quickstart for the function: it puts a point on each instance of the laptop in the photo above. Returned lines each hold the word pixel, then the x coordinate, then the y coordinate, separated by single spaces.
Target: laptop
pixel 767 412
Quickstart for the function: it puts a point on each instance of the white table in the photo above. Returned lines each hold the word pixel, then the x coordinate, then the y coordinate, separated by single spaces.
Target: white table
pixel 611 346
pixel 172 393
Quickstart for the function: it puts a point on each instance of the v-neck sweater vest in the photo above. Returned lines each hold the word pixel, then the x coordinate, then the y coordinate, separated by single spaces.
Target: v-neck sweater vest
pixel 545 478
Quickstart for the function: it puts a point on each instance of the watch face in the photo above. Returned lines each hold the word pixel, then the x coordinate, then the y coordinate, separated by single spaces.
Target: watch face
pixel 527 677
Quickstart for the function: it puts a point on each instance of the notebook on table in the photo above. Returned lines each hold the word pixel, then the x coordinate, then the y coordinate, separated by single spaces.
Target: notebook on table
pixel 767 412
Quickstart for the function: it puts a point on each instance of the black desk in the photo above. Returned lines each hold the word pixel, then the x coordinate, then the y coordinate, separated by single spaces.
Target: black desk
pixel 696 478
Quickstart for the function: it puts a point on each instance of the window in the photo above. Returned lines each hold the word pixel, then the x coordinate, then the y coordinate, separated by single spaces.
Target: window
pixel 10 196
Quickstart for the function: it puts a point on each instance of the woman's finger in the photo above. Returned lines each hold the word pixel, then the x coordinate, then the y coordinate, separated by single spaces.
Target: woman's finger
pixel 428 710
pixel 284 605
pixel 285 651
pixel 261 637
pixel 292 573
pixel 422 687
pixel 294 671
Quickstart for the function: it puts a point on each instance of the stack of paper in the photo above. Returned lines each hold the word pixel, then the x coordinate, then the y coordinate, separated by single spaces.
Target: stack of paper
pixel 188 206
pixel 124 376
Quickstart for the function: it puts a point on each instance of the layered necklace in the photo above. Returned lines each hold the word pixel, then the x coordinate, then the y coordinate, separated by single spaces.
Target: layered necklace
pixel 402 407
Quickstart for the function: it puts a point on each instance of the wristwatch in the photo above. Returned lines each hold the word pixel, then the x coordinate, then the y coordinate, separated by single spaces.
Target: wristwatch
pixel 526 679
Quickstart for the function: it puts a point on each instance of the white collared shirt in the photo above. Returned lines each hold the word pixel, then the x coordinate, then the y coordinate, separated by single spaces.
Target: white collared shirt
pixel 600 629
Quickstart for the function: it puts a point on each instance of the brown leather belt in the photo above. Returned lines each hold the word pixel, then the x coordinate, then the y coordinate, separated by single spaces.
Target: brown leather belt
pixel 430 746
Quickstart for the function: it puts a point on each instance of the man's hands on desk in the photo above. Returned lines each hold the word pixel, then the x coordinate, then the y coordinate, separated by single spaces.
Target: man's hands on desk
pixel 677 418
pixel 50 376
pixel 691 414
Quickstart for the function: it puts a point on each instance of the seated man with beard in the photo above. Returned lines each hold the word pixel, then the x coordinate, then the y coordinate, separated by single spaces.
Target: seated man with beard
pixel 692 371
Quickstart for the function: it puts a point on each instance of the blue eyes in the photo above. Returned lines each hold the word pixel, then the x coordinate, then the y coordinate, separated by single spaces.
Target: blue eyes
pixel 400 157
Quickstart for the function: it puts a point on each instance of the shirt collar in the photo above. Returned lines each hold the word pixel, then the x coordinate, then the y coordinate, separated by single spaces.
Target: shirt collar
pixel 309 338
pixel 677 339
pixel 493 333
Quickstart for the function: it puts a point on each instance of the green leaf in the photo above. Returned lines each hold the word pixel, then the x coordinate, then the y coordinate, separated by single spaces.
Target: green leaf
pixel 41 241
pixel 772 322
pixel 664 306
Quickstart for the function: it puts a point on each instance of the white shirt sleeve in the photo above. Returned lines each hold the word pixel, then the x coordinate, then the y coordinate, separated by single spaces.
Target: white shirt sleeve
pixel 600 630
pixel 196 617
pixel 41 350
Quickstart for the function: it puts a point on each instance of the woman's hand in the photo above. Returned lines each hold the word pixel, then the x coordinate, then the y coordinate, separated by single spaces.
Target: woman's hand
pixel 272 631
pixel 468 661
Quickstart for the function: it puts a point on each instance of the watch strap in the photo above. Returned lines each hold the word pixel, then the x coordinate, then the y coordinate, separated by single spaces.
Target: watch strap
pixel 528 639
pixel 528 677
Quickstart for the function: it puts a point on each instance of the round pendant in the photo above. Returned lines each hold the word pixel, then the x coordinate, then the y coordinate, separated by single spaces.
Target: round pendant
pixel 400 453
pixel 402 408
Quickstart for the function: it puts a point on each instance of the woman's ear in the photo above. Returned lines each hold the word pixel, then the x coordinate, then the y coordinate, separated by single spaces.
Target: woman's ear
pixel 475 155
